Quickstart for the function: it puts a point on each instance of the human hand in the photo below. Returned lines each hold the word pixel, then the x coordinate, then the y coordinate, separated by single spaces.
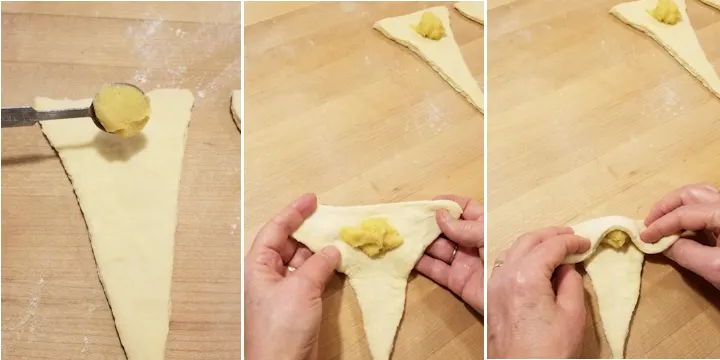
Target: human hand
pixel 693 207
pixel 529 317
pixel 462 270
pixel 283 308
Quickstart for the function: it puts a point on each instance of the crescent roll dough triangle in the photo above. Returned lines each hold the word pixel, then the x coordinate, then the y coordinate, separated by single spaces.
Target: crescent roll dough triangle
pixel 615 274
pixel 128 192
pixel 679 39
pixel 473 10
pixel 443 55
pixel 379 283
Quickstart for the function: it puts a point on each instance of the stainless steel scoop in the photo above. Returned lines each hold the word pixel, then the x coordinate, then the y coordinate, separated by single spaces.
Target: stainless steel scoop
pixel 27 116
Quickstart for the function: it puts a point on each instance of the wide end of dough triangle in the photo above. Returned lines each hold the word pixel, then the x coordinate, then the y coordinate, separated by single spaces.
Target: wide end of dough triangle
pixel 679 40
pixel 382 302
pixel 444 55
pixel 615 277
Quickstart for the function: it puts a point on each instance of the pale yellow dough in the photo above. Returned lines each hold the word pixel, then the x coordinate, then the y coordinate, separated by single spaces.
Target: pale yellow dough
pixel 473 10
pixel 128 192
pixel 379 283
pixel 615 274
pixel 443 55
pixel 679 39
pixel 235 107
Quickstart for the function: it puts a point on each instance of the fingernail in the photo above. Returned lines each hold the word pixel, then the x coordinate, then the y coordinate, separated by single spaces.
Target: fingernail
pixel 444 214
pixel 331 252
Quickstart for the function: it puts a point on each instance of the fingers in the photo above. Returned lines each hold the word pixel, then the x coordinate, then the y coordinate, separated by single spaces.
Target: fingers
pixel 700 259
pixel 301 255
pixel 436 270
pixel 525 243
pixel 690 217
pixel 549 254
pixel 319 268
pixel 464 232
pixel 686 195
pixel 472 210
pixel 570 294
pixel 441 249
pixel 275 235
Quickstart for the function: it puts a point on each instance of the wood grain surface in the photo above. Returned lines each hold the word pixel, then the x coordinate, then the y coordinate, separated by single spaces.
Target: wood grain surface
pixel 589 117
pixel 334 107
pixel 53 305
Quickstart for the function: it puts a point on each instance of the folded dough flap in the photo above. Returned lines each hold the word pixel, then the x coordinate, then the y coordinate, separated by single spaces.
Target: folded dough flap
pixel 679 39
pixel 415 222
pixel 615 276
pixel 596 229
pixel 382 301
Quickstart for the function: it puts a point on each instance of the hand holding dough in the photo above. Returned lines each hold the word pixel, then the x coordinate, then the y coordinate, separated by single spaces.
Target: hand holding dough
pixel 379 283
pixel 615 274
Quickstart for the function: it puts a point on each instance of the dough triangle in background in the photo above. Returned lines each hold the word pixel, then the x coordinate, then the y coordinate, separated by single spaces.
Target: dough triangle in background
pixel 679 39
pixel 713 3
pixel 235 107
pixel 615 274
pixel 379 283
pixel 127 189
pixel 473 10
pixel 443 55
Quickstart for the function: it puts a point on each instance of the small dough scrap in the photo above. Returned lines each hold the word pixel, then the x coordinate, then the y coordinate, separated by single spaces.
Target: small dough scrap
pixel 122 109
pixel 615 273
pixel 379 283
pixel 128 193
pixel 473 10
pixel 666 11
pixel 443 55
pixel 374 237
pixel 679 40
pixel 235 107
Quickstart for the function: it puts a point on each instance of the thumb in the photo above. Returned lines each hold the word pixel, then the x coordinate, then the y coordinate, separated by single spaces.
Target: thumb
pixel 464 232
pixel 700 259
pixel 570 294
pixel 319 268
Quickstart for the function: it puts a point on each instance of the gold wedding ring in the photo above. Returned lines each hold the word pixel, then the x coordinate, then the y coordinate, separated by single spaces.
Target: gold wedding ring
pixel 452 257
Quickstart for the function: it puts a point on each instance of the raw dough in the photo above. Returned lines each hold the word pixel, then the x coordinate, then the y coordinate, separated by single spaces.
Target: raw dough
pixel 615 274
pixel 473 10
pixel 128 192
pixel 713 3
pixel 443 55
pixel 235 107
pixel 679 39
pixel 379 283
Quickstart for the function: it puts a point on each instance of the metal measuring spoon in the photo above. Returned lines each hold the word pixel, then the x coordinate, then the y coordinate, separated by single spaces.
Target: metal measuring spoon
pixel 27 116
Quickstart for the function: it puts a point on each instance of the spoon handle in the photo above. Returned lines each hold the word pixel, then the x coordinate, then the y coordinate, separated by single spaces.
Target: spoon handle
pixel 27 116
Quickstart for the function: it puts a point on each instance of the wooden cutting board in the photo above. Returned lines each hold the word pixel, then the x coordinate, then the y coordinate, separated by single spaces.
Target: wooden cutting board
pixel 334 107
pixel 53 305
pixel 590 117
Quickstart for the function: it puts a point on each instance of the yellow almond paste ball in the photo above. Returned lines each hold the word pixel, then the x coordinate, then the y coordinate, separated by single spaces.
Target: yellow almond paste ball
pixel 666 11
pixel 430 26
pixel 122 109
pixel 374 236
pixel 616 238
